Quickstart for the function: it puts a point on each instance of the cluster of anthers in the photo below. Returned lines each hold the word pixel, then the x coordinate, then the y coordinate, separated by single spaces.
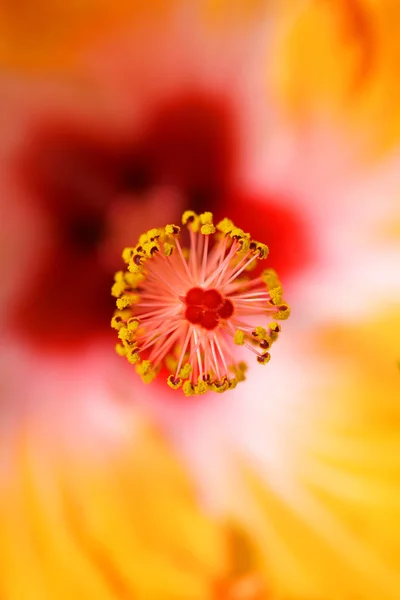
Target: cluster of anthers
pixel 185 309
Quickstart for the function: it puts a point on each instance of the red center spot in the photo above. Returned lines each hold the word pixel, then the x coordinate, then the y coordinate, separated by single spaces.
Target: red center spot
pixel 207 307
pixel 194 297
pixel 209 320
pixel 212 299
pixel 226 310
pixel 194 314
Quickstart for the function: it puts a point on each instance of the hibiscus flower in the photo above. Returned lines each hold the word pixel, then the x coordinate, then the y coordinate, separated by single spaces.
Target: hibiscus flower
pixel 143 124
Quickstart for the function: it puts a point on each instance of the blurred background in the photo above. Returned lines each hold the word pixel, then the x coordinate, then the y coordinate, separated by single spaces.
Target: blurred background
pixel 115 117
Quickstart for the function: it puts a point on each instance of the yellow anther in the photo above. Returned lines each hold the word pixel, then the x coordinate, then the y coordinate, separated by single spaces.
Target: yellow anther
pixel 262 336
pixel 142 240
pixel 127 254
pixel 133 280
pixel 261 249
pixel 172 229
pixel 144 368
pixel 117 289
pixel 133 355
pixel 283 312
pixel 135 269
pixel 174 383
pixel 117 322
pixel 120 350
pixel 136 264
pixel 188 388
pixel 207 229
pixel 220 386
pixel 153 234
pixel 151 248
pixel 239 370
pixel 244 246
pixel 233 383
pixel 238 233
pixel 264 358
pixel 270 278
pixel 148 377
pixel 192 220
pixel 119 277
pixel 225 226
pixel 238 338
pixel 276 295
pixel 124 302
pixel 206 218
pixel 222 389
pixel 125 335
pixel 260 333
pixel 168 249
pixel 188 217
pixel 240 376
pixel 274 327
pixel 274 337
pixel 201 387
pixel 185 371
pixel 133 324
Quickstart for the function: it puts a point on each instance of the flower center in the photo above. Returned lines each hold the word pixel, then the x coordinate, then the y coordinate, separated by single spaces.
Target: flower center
pixel 207 307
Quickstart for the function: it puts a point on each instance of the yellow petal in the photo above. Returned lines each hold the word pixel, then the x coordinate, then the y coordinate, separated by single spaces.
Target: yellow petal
pixel 341 56
pixel 328 525
pixel 121 524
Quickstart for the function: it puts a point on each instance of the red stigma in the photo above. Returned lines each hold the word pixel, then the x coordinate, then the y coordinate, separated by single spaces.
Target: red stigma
pixel 207 307
pixel 194 297
pixel 209 320
pixel 212 299
pixel 226 310
pixel 194 314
